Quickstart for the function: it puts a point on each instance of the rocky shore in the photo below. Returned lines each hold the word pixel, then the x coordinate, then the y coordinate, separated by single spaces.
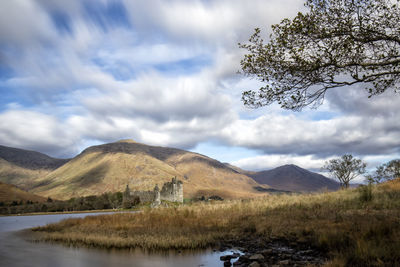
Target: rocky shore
pixel 258 252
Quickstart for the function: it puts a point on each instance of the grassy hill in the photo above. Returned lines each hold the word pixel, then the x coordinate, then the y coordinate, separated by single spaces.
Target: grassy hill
pixel 110 167
pixel 22 167
pixel 10 193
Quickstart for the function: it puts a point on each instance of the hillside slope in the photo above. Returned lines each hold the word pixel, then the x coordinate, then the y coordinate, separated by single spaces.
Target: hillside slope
pixel 294 178
pixel 10 193
pixel 22 167
pixel 110 167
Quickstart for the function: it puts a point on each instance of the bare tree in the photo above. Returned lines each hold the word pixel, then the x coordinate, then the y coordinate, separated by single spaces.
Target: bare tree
pixel 345 168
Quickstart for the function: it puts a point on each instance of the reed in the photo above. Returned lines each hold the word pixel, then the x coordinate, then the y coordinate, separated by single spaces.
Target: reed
pixel 350 229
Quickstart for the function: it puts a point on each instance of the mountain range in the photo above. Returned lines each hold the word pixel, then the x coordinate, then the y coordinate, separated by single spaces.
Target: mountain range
pixel 110 167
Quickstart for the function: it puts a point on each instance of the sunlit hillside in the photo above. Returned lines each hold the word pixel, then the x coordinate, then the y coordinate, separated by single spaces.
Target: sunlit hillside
pixel 22 177
pixel 110 167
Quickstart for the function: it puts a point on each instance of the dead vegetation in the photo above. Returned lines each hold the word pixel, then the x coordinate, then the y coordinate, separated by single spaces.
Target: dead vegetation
pixel 349 228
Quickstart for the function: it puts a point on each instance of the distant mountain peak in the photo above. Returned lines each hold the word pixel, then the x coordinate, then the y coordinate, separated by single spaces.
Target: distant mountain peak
pixel 294 178
pixel 293 166
pixel 127 141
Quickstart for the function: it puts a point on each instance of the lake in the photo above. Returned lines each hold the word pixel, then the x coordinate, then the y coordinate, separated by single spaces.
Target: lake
pixel 15 251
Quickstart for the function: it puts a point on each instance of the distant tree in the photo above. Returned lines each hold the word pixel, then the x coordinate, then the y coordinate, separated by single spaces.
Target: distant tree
pixel 99 204
pixel 335 43
pixel 105 200
pixel 43 208
pixel 385 172
pixel 345 168
pixel 135 201
pixel 127 201
pixel 116 199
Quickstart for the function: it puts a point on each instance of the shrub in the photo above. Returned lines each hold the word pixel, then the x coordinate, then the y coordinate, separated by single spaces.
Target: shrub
pixel 365 192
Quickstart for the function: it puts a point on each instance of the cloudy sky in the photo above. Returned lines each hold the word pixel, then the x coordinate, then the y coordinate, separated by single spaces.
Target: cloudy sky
pixel 164 72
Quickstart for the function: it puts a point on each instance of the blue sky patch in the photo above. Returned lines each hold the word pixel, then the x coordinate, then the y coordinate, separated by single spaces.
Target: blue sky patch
pixel 112 13
pixel 61 21
pixel 185 66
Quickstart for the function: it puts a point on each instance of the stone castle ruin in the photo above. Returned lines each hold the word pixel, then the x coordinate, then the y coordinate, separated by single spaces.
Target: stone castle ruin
pixel 170 191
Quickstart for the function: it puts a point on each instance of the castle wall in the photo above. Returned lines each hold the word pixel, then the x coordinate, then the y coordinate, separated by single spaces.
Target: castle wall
pixel 144 196
pixel 171 191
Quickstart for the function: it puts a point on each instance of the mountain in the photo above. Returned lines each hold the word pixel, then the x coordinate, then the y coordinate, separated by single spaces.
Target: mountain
pixel 22 167
pixel 29 159
pixel 239 170
pixel 294 178
pixel 10 193
pixel 110 167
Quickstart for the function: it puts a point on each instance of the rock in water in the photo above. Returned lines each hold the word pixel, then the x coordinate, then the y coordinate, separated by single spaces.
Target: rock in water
pixel 256 257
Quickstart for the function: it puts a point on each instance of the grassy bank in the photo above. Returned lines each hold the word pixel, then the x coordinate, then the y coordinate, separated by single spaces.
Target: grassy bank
pixel 352 228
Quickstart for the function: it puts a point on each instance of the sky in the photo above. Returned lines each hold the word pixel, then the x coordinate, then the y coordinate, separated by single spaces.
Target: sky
pixel 80 73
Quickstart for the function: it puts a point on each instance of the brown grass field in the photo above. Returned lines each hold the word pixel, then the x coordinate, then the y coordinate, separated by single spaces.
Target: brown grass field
pixel 10 193
pixel 352 229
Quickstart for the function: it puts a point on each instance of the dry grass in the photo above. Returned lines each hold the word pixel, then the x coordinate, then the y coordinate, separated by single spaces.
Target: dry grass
pixel 10 193
pixel 352 231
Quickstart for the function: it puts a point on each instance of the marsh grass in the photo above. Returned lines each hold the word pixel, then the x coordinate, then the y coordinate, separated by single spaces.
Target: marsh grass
pixel 350 229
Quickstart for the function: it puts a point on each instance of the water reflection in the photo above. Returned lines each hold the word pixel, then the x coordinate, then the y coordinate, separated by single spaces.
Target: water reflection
pixel 15 251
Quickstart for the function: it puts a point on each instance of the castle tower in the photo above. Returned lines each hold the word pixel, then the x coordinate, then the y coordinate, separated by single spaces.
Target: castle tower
pixel 174 189
pixel 127 192
pixel 179 192
pixel 157 198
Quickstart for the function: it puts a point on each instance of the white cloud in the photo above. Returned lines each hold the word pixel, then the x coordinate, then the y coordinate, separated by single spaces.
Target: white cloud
pixel 215 22
pixel 277 134
pixel 160 98
pixel 356 101
pixel 23 21
pixel 36 131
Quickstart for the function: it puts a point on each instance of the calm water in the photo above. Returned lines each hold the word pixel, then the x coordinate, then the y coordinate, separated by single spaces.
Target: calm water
pixel 15 251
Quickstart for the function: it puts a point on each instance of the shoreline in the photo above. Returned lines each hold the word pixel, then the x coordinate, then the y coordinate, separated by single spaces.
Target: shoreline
pixel 70 212
pixel 239 252
pixel 276 251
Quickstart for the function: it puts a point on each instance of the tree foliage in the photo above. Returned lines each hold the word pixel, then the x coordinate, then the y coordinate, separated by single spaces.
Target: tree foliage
pixel 104 201
pixel 336 43
pixel 385 172
pixel 345 168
